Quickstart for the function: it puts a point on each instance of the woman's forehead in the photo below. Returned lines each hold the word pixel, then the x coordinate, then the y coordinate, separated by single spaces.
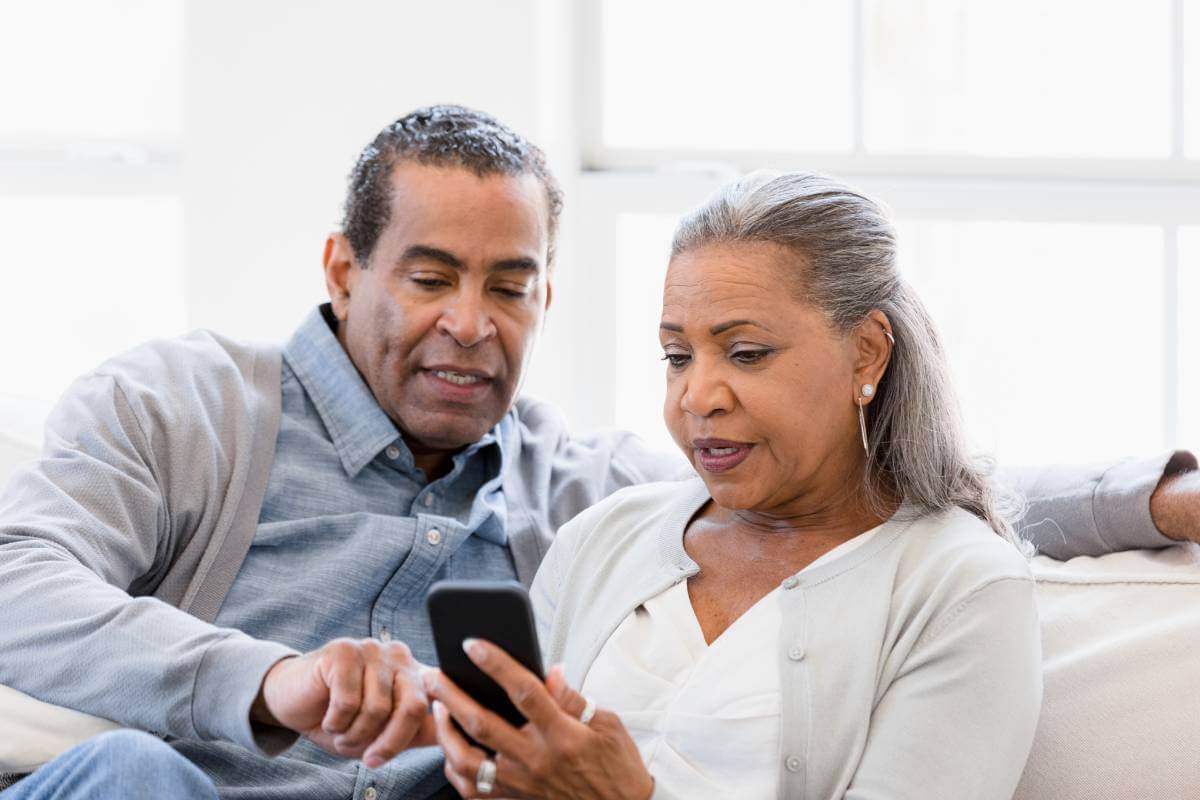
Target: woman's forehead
pixel 721 278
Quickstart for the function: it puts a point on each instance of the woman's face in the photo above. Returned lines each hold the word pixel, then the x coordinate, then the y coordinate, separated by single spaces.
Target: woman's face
pixel 760 387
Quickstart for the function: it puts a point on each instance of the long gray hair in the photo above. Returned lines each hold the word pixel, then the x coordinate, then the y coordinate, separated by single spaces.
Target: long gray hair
pixel 847 245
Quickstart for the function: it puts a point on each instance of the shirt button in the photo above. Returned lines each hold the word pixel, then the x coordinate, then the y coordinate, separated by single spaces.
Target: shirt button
pixel 791 583
pixel 434 536
pixel 792 764
pixel 427 500
pixel 384 634
pixel 796 653
pixel 370 793
pixel 392 453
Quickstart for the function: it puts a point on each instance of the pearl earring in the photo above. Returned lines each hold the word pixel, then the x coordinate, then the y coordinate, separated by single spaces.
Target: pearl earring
pixel 867 391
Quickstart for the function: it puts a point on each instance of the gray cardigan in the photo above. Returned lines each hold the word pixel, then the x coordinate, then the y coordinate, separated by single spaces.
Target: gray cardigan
pixel 148 493
pixel 910 668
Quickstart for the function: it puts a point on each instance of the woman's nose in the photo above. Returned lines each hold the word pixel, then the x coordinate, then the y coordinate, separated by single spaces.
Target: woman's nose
pixel 706 392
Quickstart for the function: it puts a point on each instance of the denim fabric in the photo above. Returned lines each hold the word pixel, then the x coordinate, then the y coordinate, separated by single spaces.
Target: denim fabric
pixel 350 537
pixel 120 765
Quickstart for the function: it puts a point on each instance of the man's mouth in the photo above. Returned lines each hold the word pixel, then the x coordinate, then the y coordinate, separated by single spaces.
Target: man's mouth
pixel 458 378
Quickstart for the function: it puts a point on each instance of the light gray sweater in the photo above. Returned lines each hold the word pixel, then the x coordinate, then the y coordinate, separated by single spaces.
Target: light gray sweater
pixel 910 667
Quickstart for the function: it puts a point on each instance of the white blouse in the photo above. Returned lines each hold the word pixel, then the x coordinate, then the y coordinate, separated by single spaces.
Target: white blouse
pixel 705 717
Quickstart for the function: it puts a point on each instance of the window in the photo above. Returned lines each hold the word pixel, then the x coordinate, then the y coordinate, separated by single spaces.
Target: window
pixel 90 207
pixel 1046 189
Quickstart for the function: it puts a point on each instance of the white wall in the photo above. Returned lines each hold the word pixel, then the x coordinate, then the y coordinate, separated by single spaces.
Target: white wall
pixel 281 97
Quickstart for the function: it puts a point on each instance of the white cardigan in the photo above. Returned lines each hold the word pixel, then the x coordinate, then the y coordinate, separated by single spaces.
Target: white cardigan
pixel 910 667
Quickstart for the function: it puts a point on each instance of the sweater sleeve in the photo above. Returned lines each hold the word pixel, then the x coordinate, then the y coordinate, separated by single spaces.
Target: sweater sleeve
pixel 1093 510
pixel 959 719
pixel 79 529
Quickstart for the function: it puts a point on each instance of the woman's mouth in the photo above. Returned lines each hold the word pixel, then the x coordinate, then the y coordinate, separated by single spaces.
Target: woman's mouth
pixel 720 455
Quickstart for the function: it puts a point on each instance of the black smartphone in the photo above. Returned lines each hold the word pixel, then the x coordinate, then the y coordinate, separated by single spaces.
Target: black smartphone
pixel 498 611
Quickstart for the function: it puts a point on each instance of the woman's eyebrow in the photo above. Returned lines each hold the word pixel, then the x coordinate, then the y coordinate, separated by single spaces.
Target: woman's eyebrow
pixel 720 327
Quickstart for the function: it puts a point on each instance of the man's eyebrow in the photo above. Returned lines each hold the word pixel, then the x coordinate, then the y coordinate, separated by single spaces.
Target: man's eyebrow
pixel 522 264
pixel 671 326
pixel 423 252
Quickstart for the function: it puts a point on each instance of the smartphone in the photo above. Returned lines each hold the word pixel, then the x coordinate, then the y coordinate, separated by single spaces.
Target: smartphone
pixel 498 611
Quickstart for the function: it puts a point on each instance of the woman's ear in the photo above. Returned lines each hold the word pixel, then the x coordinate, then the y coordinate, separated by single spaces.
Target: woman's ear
pixel 873 343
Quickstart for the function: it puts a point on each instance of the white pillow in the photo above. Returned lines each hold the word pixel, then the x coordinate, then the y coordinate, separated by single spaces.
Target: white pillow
pixel 33 732
pixel 1121 641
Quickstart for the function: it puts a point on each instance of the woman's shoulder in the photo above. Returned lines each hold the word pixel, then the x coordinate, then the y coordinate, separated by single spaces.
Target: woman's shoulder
pixel 641 505
pixel 955 546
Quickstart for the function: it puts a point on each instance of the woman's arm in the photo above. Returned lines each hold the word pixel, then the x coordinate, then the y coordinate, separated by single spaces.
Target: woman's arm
pixel 959 719
pixel 555 754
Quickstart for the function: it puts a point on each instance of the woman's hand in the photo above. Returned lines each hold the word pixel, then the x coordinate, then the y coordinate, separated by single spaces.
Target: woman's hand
pixel 552 755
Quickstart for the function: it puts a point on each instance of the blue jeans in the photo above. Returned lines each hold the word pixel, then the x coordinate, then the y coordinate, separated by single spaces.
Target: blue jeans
pixel 119 764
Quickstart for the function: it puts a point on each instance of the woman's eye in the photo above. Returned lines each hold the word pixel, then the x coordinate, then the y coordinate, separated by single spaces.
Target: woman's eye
pixel 676 360
pixel 749 356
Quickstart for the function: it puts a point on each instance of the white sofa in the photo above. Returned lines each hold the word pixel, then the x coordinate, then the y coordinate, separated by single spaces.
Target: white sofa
pixel 1120 721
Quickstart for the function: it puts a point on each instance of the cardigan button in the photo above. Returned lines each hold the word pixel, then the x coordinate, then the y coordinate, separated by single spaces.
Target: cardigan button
pixel 791 583
pixel 792 764
pixel 796 653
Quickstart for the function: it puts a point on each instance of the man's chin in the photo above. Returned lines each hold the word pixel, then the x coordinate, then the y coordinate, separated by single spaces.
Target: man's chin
pixel 449 430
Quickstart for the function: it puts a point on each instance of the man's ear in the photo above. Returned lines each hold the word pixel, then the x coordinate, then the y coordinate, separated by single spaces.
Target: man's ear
pixel 341 273
pixel 873 342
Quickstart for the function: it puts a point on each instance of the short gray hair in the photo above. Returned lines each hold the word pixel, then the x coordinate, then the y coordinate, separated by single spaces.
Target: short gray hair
pixel 847 269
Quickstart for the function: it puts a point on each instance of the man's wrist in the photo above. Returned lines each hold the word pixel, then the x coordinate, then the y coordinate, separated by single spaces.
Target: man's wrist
pixel 260 712
pixel 1175 503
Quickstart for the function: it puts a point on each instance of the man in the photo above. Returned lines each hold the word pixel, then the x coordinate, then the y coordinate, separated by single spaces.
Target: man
pixel 230 547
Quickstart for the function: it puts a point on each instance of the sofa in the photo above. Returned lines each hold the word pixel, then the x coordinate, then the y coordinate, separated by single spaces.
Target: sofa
pixel 1121 642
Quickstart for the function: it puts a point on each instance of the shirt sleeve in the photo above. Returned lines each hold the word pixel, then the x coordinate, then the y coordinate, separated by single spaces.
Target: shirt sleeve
pixel 80 529
pixel 1093 510
pixel 959 719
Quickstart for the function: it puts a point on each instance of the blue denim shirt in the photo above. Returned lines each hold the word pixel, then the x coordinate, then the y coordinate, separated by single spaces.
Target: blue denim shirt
pixel 350 538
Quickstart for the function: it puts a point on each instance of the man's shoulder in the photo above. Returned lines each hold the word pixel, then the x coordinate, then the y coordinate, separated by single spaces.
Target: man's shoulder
pixel 200 366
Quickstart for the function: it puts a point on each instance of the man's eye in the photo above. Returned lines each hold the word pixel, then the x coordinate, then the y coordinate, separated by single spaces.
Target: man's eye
pixel 430 283
pixel 749 356
pixel 676 360
pixel 511 292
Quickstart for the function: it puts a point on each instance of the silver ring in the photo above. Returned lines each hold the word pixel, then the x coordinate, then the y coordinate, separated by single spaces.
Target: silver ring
pixel 485 777
pixel 589 710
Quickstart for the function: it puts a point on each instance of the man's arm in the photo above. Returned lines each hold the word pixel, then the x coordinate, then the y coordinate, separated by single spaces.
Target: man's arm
pixel 78 528
pixel 1093 510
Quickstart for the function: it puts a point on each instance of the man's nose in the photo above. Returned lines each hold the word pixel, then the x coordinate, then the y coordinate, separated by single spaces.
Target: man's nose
pixel 467 319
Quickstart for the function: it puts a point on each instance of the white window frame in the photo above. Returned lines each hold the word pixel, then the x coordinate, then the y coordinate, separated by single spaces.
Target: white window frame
pixel 1163 192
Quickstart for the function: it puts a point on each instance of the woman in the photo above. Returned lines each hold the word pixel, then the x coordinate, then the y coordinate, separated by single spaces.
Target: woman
pixel 836 607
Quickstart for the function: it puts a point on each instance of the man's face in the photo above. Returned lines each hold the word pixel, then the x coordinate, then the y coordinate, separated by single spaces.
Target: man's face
pixel 442 321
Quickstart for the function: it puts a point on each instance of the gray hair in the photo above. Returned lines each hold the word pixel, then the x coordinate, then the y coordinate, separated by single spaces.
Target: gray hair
pixel 916 445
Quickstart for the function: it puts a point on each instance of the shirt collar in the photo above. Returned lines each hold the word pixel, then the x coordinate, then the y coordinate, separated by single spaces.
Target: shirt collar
pixel 357 425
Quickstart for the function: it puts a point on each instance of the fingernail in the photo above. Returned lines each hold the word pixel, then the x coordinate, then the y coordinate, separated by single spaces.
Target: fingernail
pixel 439 710
pixel 473 650
pixel 429 679
pixel 373 762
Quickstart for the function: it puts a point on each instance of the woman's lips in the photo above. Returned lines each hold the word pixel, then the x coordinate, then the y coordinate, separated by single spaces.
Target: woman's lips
pixel 720 455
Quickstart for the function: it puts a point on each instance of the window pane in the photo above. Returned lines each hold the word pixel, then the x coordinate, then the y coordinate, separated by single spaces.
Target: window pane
pixel 1071 78
pixel 1191 78
pixel 90 277
pixel 643 245
pixel 705 74
pixel 1054 333
pixel 80 68
pixel 1188 314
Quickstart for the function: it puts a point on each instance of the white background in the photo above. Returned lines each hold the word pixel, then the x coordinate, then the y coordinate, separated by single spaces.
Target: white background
pixel 173 164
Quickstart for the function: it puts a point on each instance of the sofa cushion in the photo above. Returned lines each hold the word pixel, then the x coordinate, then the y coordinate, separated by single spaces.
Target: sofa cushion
pixel 1121 642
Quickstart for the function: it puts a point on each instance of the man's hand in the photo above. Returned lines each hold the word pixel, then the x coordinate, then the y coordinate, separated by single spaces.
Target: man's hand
pixel 354 698
pixel 1175 506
